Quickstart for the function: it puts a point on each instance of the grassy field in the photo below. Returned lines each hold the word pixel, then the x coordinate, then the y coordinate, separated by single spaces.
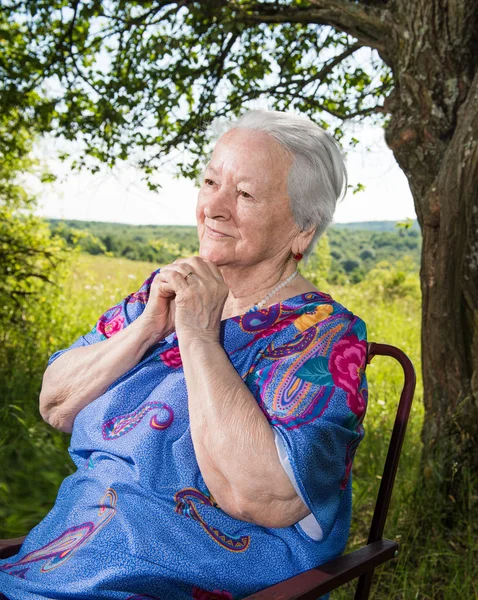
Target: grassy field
pixel 99 282
pixel 431 565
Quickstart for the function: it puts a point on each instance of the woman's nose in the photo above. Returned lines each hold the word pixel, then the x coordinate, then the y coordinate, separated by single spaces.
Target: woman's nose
pixel 218 203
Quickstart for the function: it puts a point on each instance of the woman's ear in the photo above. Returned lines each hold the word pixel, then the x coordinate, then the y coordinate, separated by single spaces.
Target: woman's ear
pixel 303 239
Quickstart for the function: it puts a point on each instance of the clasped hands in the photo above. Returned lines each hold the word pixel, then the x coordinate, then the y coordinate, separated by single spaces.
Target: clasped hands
pixel 192 307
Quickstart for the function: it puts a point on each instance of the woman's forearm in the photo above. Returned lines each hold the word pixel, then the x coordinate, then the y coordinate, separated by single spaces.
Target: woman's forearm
pixel 81 375
pixel 234 442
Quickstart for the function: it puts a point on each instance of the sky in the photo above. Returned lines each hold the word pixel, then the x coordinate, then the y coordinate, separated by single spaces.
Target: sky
pixel 121 196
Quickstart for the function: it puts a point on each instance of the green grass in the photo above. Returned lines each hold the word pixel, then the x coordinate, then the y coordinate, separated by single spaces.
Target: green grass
pixel 433 563
pixel 33 456
pixel 99 282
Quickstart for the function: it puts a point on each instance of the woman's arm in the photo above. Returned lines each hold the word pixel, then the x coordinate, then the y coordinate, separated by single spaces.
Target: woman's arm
pixel 232 438
pixel 81 375
pixel 234 442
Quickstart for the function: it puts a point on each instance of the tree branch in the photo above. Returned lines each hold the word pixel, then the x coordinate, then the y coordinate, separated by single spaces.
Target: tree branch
pixel 329 66
pixel 370 25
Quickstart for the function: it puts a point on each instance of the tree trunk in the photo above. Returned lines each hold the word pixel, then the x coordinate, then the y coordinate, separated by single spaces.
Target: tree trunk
pixel 433 133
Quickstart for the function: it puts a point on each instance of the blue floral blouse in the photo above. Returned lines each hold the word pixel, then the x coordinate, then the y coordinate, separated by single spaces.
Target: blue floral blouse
pixel 136 520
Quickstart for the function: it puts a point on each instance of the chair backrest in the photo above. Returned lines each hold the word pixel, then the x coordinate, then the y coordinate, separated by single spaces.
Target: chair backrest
pixel 394 449
pixel 398 434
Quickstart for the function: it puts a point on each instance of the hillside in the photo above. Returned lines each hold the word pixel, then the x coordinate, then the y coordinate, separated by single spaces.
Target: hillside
pixel 355 248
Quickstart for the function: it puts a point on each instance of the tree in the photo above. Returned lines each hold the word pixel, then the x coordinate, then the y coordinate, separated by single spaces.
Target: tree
pixel 141 79
pixel 30 256
pixel 367 253
pixel 350 264
pixel 31 259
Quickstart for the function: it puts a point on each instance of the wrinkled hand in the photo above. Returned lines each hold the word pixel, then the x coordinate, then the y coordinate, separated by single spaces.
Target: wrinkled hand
pixel 158 316
pixel 198 301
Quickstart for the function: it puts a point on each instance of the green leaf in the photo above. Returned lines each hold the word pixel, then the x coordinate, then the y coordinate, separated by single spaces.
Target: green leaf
pixel 316 370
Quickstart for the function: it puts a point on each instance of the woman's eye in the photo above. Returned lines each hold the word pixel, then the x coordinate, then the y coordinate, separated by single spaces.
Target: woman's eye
pixel 244 194
pixel 209 181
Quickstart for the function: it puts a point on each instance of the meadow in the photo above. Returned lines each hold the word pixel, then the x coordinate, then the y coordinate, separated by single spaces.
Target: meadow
pixel 431 565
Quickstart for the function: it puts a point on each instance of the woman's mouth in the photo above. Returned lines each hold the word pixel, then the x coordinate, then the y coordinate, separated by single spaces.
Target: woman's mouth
pixel 215 234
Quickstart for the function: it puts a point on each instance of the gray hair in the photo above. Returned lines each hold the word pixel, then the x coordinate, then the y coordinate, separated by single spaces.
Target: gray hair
pixel 318 176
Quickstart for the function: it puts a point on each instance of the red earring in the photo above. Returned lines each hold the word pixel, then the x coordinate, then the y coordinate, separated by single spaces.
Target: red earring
pixel 298 256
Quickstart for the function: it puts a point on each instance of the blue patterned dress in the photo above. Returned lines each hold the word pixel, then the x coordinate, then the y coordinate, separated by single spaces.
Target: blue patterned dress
pixel 136 520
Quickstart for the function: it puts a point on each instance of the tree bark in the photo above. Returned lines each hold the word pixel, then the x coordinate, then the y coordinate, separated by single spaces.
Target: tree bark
pixel 369 24
pixel 434 136
pixel 430 46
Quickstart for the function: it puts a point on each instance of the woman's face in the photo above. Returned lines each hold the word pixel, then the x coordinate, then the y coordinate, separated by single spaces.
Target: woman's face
pixel 244 198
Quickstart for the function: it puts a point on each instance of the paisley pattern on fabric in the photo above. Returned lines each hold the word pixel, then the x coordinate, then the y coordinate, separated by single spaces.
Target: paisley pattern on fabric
pixel 62 548
pixel 259 320
pixel 298 345
pixel 185 505
pixel 121 425
pixel 285 396
pixel 20 574
pixel 290 404
pixel 263 323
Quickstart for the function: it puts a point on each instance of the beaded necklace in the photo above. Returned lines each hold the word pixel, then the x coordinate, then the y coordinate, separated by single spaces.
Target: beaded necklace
pixel 278 287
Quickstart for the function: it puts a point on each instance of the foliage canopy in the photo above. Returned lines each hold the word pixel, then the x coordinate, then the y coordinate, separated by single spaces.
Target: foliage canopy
pixel 142 80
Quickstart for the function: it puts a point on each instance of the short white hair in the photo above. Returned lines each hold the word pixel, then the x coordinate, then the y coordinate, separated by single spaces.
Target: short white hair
pixel 318 176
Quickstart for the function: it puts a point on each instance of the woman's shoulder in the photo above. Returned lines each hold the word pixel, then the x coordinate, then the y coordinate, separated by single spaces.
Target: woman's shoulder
pixel 318 310
pixel 318 302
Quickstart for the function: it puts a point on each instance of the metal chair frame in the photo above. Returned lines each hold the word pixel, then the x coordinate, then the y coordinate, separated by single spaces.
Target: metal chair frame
pixel 362 563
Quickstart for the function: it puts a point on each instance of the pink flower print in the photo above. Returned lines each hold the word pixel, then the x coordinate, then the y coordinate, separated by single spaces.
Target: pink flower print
pixel 109 328
pixel 356 403
pixel 172 358
pixel 347 365
pixel 199 594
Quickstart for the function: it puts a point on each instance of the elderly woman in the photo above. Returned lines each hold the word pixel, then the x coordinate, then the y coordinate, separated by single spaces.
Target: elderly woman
pixel 215 412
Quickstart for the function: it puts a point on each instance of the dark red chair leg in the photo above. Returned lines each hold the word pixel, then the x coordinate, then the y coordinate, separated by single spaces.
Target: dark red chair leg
pixel 10 547
pixel 363 586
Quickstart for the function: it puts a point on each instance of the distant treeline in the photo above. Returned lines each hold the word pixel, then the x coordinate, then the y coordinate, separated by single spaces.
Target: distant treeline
pixel 355 248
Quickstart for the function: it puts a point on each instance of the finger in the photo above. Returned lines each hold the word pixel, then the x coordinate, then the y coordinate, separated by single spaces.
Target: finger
pixel 185 270
pixel 161 287
pixel 189 266
pixel 214 269
pixel 174 280
pixel 204 268
pixel 199 266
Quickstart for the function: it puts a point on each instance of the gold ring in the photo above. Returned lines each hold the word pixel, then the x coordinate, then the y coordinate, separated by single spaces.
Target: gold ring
pixel 188 275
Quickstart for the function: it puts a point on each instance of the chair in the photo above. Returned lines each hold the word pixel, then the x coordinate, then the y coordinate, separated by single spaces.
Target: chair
pixel 362 563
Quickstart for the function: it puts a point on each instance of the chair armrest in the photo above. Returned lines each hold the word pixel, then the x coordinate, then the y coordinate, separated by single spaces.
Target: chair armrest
pixel 321 580
pixel 10 547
